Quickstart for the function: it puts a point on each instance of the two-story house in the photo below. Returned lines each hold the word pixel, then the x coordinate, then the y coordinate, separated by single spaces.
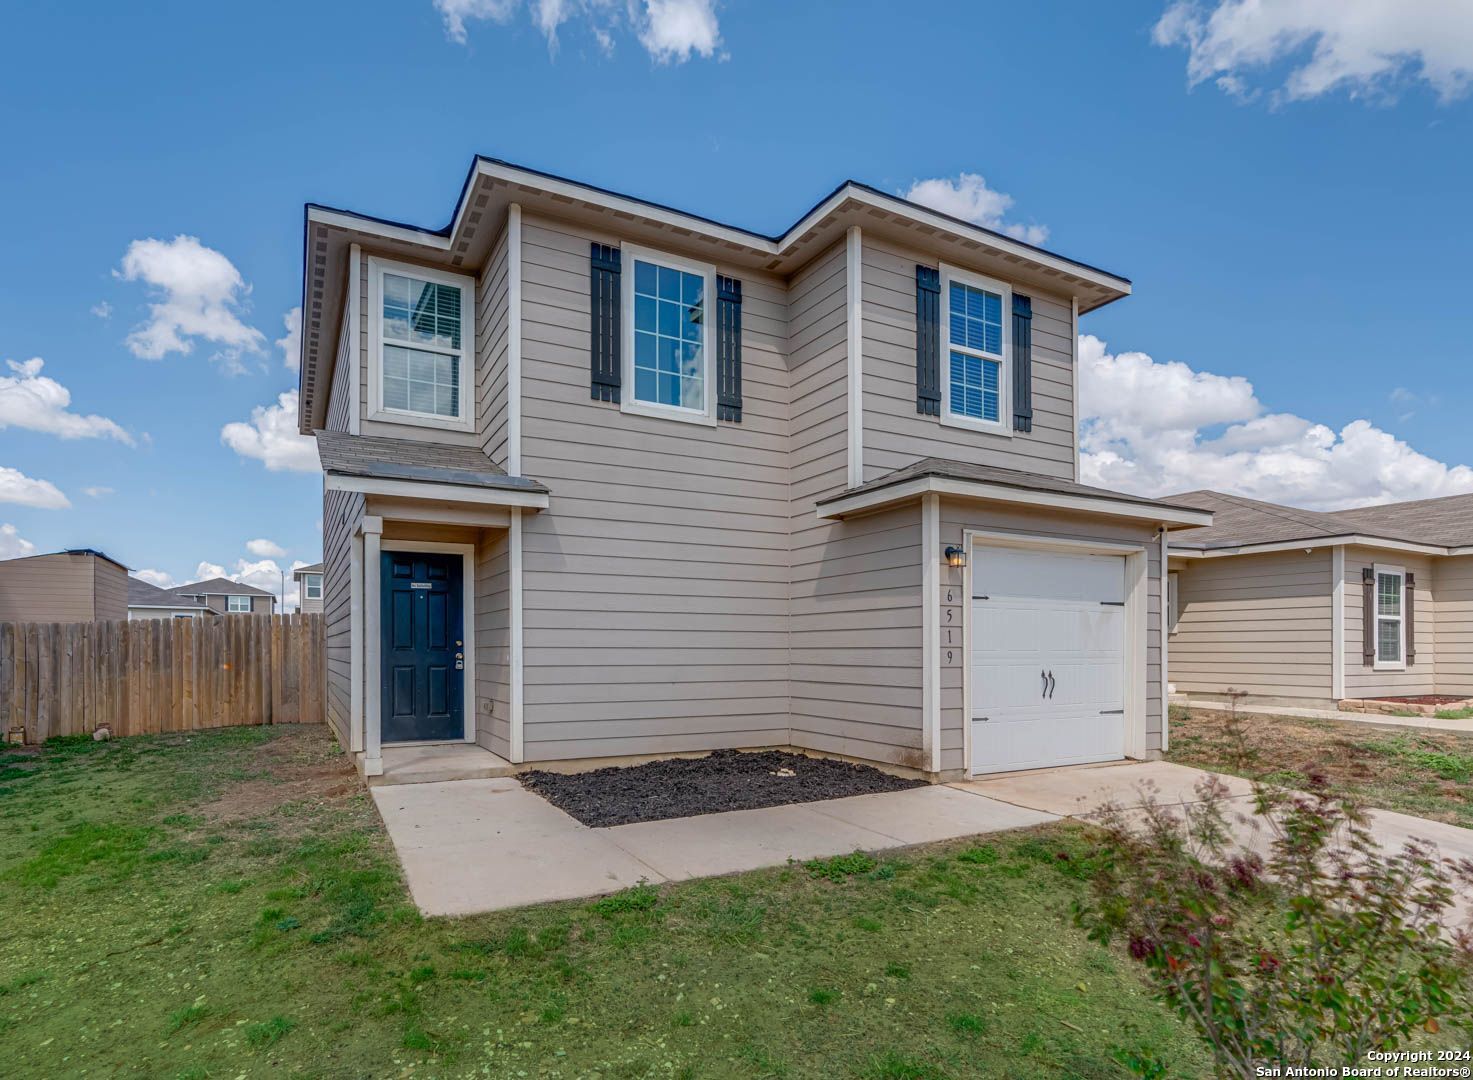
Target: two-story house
pixel 309 588
pixel 605 480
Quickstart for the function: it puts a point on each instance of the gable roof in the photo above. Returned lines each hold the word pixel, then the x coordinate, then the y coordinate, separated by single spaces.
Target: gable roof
pixel 1242 522
pixel 143 595
pixel 491 185
pixel 315 568
pixel 218 586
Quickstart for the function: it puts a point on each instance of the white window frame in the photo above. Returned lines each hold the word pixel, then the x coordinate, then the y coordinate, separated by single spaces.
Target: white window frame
pixel 627 402
pixel 1400 574
pixel 1003 425
pixel 231 609
pixel 466 421
pixel 307 580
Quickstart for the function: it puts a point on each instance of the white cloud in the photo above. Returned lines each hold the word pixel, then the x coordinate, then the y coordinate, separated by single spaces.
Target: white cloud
pixel 13 545
pixel 102 309
pixel 38 402
pixel 291 345
pixel 1363 47
pixel 158 578
pixel 97 491
pixel 206 570
pixel 671 31
pixel 199 294
pixel 17 487
pixel 968 197
pixel 1157 428
pixel 265 549
pixel 271 437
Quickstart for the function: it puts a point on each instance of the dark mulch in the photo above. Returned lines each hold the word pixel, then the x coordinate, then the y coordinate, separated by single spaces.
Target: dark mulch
pixel 723 780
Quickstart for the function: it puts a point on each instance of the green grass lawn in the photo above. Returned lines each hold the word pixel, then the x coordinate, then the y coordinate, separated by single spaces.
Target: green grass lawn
pixel 1413 770
pixel 227 904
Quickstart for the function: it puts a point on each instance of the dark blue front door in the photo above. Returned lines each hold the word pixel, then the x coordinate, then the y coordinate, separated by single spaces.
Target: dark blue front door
pixel 423 655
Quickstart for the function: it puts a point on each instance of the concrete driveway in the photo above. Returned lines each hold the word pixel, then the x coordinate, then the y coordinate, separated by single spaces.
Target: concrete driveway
pixel 470 846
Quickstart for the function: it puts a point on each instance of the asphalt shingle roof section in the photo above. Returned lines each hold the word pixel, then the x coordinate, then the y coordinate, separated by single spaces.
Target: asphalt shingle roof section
pixel 408 459
pixel 1238 521
pixel 947 469
pixel 142 594
pixel 315 568
pixel 218 586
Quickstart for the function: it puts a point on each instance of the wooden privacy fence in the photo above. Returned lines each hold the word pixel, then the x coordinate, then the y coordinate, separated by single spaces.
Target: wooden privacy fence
pixel 153 675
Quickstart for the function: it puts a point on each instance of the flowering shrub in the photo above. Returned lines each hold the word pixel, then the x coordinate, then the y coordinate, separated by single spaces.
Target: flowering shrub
pixel 1300 944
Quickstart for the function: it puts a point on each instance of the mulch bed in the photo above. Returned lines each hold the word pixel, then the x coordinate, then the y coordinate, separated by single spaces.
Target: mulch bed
pixel 1422 699
pixel 723 780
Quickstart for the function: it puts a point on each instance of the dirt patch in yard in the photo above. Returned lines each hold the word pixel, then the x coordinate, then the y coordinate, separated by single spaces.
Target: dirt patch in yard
pixel 1422 699
pixel 723 780
pixel 1416 771
pixel 292 770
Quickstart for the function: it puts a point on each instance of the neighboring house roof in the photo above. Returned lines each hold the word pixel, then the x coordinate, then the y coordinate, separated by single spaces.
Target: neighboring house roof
pixel 219 586
pixel 379 457
pixel 315 568
pixel 492 185
pixel 1242 522
pixel 73 551
pixel 143 595
pixel 994 477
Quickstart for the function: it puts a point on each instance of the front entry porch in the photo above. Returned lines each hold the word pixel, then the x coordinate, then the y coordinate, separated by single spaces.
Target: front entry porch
pixel 433 763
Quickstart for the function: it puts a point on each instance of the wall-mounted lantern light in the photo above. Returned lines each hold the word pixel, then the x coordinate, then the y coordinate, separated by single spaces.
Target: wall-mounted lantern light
pixel 956 557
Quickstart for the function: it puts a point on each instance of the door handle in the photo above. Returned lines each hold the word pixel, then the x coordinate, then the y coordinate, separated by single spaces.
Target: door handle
pixel 1044 676
pixel 1052 683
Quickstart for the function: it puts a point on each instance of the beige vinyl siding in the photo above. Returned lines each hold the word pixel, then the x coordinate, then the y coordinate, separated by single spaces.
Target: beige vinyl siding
pixel 344 373
pixel 50 588
pixel 957 516
pixel 1452 592
pixel 305 605
pixel 654 602
pixel 388 428
pixel 491 343
pixel 1256 623
pixel 895 435
pixel 109 590
pixel 1420 677
pixel 342 511
pixel 856 585
pixel 493 643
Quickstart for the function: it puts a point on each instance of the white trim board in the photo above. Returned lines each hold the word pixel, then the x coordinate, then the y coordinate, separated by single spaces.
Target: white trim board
pixel 1337 622
pixel 1353 539
pixel 931 639
pixel 514 340
pixel 854 350
pixel 870 501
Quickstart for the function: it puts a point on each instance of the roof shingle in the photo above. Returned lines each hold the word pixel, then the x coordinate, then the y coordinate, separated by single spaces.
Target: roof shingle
pixel 409 459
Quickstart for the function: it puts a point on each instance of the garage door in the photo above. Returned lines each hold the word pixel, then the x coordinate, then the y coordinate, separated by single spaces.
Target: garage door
pixel 1048 658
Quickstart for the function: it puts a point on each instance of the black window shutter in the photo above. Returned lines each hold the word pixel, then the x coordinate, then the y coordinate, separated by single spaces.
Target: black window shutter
pixel 604 309
pixel 1022 363
pixel 728 349
pixel 1368 615
pixel 928 341
pixel 1409 613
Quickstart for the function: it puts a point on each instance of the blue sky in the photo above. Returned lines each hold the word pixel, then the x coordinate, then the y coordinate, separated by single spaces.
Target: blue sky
pixel 1285 185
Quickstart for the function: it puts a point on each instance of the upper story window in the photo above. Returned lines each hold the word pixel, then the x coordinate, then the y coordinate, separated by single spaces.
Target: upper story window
pixel 975 321
pixel 667 336
pixel 238 604
pixel 421 353
pixel 312 586
pixel 1390 617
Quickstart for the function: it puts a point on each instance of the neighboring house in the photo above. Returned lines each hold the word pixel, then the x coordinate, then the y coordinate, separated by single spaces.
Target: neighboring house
pixel 78 585
pixel 604 479
pixel 1311 607
pixel 147 601
pixel 309 588
pixel 226 597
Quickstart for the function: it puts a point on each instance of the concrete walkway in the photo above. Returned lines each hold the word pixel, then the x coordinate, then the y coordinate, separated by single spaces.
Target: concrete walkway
pixel 469 846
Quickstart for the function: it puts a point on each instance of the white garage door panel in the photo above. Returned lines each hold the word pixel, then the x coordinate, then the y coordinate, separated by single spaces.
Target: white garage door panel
pixel 1039 614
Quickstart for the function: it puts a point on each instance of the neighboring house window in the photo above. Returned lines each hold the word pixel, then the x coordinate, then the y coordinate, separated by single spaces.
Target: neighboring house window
pixel 667 342
pixel 1390 617
pixel 312 586
pixel 421 355
pixel 238 603
pixel 976 319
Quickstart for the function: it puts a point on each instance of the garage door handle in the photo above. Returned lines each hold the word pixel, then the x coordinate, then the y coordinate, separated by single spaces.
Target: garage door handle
pixel 1112 603
pixel 1112 712
pixel 1043 691
pixel 1052 682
